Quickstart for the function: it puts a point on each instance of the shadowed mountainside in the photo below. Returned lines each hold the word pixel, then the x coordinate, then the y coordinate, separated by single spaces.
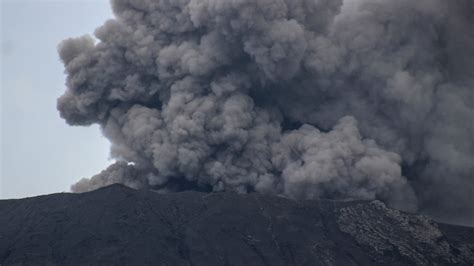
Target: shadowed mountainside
pixel 117 225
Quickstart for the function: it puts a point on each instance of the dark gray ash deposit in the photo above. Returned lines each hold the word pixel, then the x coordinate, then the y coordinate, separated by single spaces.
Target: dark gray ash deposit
pixel 117 225
pixel 355 99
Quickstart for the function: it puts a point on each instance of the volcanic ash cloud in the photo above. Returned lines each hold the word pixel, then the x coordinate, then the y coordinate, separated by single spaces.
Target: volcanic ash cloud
pixel 365 99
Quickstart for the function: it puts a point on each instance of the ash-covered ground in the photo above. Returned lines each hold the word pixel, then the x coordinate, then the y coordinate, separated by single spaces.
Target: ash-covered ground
pixel 117 225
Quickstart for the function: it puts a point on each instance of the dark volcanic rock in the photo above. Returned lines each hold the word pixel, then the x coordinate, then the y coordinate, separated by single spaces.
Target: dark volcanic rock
pixel 120 226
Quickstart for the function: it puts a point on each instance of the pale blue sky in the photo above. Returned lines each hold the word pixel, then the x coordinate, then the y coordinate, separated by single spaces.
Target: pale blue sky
pixel 40 154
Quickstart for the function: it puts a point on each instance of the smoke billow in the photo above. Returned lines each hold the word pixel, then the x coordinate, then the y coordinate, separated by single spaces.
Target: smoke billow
pixel 354 99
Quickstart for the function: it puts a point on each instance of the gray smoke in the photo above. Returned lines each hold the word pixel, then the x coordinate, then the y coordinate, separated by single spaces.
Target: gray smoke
pixel 355 99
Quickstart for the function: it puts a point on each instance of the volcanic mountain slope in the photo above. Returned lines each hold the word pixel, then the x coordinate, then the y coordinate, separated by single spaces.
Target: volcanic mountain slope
pixel 117 225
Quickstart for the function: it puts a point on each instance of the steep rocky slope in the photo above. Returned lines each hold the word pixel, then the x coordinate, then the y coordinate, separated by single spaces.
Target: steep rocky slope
pixel 121 226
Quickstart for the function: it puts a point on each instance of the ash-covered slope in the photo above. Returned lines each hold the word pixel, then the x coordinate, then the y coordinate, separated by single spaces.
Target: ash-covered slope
pixel 121 226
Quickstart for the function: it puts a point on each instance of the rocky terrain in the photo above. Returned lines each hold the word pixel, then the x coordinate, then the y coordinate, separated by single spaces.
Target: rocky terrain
pixel 117 225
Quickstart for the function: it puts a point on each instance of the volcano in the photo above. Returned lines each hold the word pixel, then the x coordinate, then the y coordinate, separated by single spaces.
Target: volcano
pixel 117 225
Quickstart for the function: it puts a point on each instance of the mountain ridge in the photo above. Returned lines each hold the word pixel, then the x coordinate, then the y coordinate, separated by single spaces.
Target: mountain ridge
pixel 119 225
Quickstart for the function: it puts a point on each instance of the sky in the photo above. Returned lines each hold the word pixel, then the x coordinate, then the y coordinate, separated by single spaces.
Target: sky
pixel 40 153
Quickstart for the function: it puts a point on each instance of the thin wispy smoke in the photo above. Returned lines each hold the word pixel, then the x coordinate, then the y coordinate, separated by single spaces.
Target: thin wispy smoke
pixel 305 98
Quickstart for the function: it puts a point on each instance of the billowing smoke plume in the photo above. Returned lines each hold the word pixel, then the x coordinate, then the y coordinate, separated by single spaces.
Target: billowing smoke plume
pixel 359 99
